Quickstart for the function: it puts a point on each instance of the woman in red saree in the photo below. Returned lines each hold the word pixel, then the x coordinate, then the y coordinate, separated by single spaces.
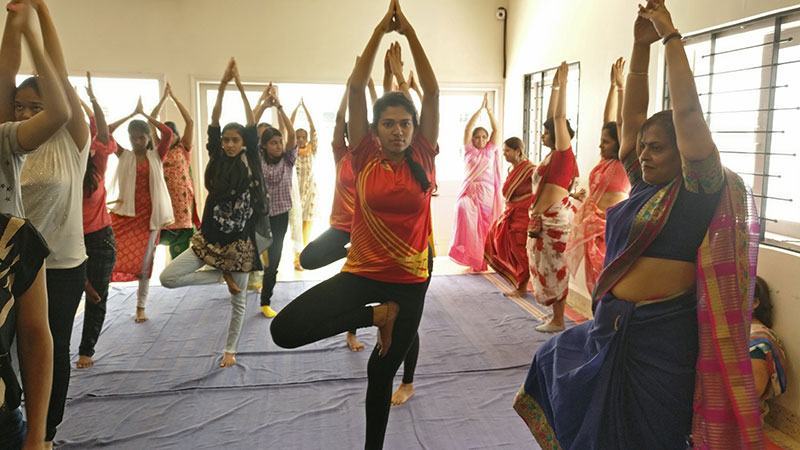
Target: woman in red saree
pixel 664 364
pixel 504 249
pixel 608 185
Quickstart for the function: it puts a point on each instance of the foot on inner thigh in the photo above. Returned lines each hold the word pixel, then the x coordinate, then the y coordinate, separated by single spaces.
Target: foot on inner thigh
pixel 140 315
pixel 297 265
pixel 228 359
pixel 84 362
pixel 233 288
pixel 383 317
pixel 402 394
pixel 353 343
pixel 516 293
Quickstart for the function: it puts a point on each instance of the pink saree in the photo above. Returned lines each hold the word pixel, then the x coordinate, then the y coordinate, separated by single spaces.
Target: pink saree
pixel 587 236
pixel 478 205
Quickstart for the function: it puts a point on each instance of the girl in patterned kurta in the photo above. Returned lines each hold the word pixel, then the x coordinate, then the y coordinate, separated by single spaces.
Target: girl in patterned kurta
pixel 608 185
pixel 178 175
pixel 480 200
pixel 143 206
pixel 306 157
pixel 235 224
pixel 389 256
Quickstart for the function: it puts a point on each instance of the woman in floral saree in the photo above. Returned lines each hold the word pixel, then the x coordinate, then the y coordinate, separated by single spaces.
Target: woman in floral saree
pixel 664 364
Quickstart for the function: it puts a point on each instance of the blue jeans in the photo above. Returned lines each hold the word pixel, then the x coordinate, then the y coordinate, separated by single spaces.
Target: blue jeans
pixel 12 430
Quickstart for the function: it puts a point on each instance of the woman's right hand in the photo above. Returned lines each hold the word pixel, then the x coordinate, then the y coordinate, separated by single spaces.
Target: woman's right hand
pixel 562 73
pixel 89 90
pixel 139 107
pixel 228 75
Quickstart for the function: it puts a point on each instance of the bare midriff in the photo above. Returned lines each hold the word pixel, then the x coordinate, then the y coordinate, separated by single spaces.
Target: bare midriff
pixel 654 278
pixel 610 199
pixel 550 194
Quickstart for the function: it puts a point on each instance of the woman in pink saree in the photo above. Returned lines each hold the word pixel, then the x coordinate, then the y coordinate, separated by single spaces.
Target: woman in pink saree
pixel 480 199
pixel 608 185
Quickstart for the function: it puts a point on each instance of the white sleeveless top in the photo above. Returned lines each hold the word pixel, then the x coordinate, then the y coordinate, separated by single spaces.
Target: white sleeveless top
pixel 52 192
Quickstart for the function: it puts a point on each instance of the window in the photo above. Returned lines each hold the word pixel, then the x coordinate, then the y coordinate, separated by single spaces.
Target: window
pixel 537 98
pixel 748 80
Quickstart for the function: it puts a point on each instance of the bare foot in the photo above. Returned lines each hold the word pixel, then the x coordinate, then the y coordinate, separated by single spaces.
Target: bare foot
pixel 48 445
pixel 84 362
pixel 233 288
pixel 402 394
pixel 516 293
pixel 297 265
pixel 353 343
pixel 383 317
pixel 228 359
pixel 140 316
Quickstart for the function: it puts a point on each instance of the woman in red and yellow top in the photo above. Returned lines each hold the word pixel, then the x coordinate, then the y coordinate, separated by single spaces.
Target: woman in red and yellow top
pixel 388 258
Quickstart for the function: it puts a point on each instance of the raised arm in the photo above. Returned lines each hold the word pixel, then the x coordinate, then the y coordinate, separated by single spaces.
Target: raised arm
pixel 357 126
pixel 35 350
pixel 76 125
pixel 112 127
pixel 495 136
pixel 634 104
pixel 429 115
pixel 311 129
pixel 35 131
pixel 216 112
pixel 691 130
pixel 261 104
pixel 387 73
pixel 340 124
pixel 248 111
pixel 166 132
pixel 472 121
pixel 11 57
pixel 563 139
pixel 619 84
pixel 551 105
pixel 155 113
pixel 412 81
pixel 291 138
pixel 188 122
pixel 103 135
pixel 610 111
pixel 373 94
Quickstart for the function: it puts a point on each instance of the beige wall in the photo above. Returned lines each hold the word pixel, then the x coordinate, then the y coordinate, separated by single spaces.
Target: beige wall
pixel 543 33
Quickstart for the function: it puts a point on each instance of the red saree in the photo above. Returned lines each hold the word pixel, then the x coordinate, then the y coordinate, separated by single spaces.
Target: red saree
pixel 504 249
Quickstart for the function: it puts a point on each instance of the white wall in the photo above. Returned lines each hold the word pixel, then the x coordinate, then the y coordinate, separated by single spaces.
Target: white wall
pixel 543 33
pixel 299 41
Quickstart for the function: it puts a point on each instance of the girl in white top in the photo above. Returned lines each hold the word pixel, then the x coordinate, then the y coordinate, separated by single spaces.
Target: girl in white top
pixel 52 195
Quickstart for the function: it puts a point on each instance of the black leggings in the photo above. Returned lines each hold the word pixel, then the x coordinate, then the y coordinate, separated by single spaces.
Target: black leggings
pixel 337 305
pixel 102 251
pixel 64 290
pixel 278 225
pixel 327 248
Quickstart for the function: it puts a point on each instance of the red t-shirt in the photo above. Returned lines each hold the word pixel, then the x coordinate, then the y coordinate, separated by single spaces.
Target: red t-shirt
pixel 392 217
pixel 345 191
pixel 95 212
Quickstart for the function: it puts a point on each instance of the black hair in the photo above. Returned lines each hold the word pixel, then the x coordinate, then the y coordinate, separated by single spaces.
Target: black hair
pixel 174 129
pixel 611 129
pixel 91 178
pixel 140 126
pixel 550 127
pixel 662 119
pixel 30 82
pixel 301 129
pixel 227 175
pixel 399 99
pixel 515 143
pixel 268 134
pixel 477 129
pixel 763 311
pixel 264 124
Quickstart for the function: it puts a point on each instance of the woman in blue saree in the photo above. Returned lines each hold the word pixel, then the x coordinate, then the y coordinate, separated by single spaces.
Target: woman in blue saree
pixel 662 364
